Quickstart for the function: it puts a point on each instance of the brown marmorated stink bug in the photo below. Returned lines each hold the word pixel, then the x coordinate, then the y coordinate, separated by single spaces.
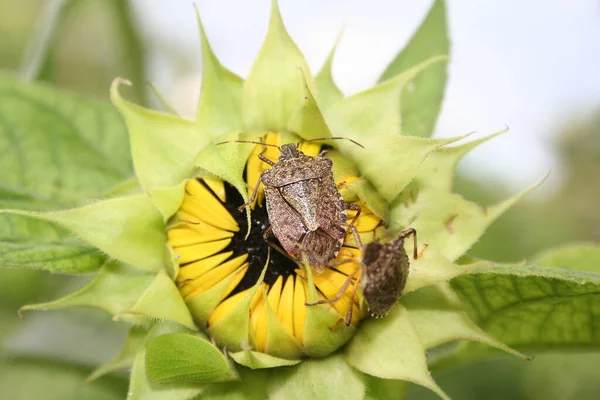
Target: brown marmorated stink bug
pixel 306 211
pixel 382 273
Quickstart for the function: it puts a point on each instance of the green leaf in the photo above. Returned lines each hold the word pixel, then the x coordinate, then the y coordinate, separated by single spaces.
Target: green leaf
pixel 326 378
pixel 422 98
pixel 258 360
pixel 374 112
pixel 129 229
pixel 59 148
pixel 576 256
pixel 220 104
pixel 380 155
pixel 35 244
pixel 446 221
pixel 182 358
pixel 142 388
pixel 161 301
pixel 115 288
pixel 29 378
pixel 273 91
pixel 390 348
pixel 328 93
pixel 540 308
pixel 124 360
pixel 163 146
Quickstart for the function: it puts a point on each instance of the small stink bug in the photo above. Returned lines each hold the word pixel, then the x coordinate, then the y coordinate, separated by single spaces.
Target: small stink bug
pixel 306 211
pixel 382 273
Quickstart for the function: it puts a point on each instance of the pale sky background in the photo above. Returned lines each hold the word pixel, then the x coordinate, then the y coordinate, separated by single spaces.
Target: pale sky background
pixel 532 65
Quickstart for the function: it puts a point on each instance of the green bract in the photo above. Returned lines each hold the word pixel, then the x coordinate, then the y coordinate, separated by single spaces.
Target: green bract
pixel 71 206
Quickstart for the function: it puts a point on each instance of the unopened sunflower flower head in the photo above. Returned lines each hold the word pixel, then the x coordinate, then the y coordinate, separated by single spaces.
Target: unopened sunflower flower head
pixel 213 296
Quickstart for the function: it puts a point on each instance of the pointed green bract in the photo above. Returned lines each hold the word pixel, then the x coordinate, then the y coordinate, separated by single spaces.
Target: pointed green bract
pixel 280 343
pixel 168 199
pixel 124 360
pixel 161 301
pixel 115 288
pixel 220 104
pixel 258 360
pixel 130 229
pixel 439 168
pixel 432 267
pixel 236 339
pixel 273 91
pixel 183 358
pixel 438 306
pixel 142 388
pixel 320 339
pixel 374 112
pixel 390 348
pixel 422 98
pixel 328 93
pixel 446 221
pixel 308 122
pixel 30 243
pixel 368 195
pixel 228 160
pixel 163 146
pixel 381 155
pixel 326 378
pixel 380 389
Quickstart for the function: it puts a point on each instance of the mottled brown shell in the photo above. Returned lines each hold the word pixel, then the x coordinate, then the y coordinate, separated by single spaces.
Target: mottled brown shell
pixel 385 269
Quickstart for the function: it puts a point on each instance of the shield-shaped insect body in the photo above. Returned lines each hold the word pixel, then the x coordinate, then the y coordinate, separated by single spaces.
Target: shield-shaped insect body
pixel 306 211
pixel 381 273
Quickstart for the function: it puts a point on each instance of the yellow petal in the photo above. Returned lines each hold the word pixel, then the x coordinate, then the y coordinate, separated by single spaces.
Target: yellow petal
pixel 227 306
pixel 185 235
pixel 200 251
pixel 239 275
pixel 201 204
pixel 285 311
pixel 217 186
pixel 212 277
pixel 258 319
pixel 365 223
pixel 198 268
pixel 299 308
pixel 310 149
pixel 329 283
pixel 274 296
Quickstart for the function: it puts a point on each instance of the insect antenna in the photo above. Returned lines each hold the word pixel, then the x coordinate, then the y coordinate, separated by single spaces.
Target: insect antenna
pixel 246 141
pixel 334 138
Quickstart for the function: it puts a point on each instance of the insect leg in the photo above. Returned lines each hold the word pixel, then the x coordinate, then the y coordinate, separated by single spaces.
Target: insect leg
pixel 252 198
pixel 413 232
pixel 339 295
pixel 355 207
pixel 263 158
pixel 268 233
pixel 349 312
pixel 356 235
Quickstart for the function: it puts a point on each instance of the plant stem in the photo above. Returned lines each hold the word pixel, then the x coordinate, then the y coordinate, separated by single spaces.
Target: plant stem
pixel 41 40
